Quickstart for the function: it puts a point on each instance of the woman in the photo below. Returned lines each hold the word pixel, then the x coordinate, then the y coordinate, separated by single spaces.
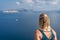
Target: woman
pixel 45 32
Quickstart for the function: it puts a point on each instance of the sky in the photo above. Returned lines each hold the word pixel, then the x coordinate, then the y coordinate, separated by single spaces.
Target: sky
pixel 30 4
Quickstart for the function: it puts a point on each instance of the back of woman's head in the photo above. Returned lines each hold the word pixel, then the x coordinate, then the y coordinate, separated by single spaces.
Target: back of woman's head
pixel 44 20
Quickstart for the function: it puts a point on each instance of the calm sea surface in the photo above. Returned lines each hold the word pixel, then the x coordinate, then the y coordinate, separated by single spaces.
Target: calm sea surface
pixel 21 25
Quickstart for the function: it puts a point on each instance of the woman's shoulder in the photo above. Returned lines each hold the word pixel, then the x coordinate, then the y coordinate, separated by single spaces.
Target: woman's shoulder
pixel 38 32
pixel 54 32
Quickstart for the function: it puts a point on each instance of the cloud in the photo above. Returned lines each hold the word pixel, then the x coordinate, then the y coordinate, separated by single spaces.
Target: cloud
pixel 48 2
pixel 29 1
pixel 38 4
pixel 17 3
pixel 54 2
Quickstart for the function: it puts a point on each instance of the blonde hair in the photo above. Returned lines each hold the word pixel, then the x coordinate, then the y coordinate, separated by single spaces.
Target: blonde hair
pixel 44 20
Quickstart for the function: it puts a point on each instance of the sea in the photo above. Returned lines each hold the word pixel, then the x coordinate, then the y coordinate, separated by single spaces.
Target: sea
pixel 21 25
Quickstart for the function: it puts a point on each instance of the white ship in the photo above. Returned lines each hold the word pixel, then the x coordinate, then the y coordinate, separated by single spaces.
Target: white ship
pixel 10 11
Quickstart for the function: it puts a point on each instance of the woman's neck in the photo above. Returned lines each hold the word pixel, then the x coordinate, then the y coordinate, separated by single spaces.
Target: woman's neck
pixel 46 28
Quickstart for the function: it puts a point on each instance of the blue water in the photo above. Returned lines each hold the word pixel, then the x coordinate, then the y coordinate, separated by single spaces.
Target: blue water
pixel 21 25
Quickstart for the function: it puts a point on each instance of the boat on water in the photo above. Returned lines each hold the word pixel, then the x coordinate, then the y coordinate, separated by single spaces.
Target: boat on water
pixel 10 11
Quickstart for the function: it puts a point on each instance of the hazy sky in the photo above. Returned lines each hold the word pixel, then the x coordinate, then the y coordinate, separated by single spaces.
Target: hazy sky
pixel 30 4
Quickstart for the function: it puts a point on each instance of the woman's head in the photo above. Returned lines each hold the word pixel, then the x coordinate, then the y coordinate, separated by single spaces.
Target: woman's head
pixel 44 20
